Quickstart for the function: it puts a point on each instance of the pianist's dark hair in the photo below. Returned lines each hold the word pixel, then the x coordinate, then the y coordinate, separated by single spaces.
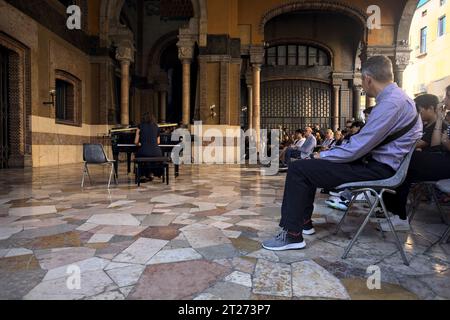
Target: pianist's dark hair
pixel 148 118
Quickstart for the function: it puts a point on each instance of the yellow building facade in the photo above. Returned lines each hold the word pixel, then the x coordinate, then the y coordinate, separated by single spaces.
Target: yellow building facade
pixel 429 69
pixel 258 64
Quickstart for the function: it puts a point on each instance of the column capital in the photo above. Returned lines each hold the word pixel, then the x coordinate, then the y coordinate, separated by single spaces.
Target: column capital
pixel 185 46
pixel 402 57
pixel 256 66
pixel 125 54
pixel 337 79
pixel 124 41
pixel 257 55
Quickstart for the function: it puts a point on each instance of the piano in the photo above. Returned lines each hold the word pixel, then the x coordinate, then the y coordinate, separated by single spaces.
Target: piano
pixel 122 141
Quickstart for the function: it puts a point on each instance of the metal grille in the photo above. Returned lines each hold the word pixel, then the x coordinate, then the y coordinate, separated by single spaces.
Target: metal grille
pixel 295 104
pixel 4 108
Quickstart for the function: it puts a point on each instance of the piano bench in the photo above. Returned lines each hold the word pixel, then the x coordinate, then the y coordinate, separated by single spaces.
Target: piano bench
pixel 157 162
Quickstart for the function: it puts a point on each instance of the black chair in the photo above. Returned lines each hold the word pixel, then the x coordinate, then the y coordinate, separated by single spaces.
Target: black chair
pixel 94 154
pixel 153 163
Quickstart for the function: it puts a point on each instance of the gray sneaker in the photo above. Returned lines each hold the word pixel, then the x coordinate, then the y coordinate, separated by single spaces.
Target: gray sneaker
pixel 284 241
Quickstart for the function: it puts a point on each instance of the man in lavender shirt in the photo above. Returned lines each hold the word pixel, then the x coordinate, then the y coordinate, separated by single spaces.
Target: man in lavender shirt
pixel 394 111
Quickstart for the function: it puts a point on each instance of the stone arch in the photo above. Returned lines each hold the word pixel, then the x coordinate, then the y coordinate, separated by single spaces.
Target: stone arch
pixel 110 17
pixel 404 25
pixel 20 100
pixel 343 8
pixel 154 57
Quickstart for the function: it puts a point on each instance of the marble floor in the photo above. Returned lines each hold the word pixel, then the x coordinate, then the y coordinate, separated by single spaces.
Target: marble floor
pixel 198 238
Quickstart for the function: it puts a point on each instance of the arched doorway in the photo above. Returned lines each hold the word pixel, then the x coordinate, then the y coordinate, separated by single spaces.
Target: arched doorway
pixel 294 101
pixel 309 73
pixel 15 103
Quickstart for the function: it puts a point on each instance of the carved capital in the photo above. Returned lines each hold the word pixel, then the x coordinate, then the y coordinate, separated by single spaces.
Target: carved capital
pixel 125 54
pixel 185 46
pixel 402 57
pixel 185 54
pixel 257 55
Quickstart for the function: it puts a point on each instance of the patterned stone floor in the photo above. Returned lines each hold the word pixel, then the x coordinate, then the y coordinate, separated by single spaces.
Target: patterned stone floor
pixel 198 238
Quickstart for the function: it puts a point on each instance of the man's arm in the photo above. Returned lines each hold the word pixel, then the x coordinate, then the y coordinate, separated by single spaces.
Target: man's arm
pixel 376 130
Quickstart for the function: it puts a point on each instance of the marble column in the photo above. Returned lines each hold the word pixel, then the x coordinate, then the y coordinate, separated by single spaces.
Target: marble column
pixel 186 91
pixel 155 107
pixel 256 61
pixel 186 54
pixel 163 106
pixel 336 103
pixel 250 106
pixel 370 102
pixel 357 101
pixel 125 56
pixel 257 102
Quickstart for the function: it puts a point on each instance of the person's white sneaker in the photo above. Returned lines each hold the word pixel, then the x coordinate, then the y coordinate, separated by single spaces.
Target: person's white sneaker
pixel 335 194
pixel 399 224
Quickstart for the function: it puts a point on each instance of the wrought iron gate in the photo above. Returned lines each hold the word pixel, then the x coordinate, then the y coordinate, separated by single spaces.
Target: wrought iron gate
pixel 295 104
pixel 4 108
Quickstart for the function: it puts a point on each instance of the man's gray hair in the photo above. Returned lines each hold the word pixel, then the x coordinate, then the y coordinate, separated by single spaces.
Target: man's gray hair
pixel 379 68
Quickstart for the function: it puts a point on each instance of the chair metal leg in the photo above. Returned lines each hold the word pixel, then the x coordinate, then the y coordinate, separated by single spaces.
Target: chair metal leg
pixel 366 221
pixel 167 173
pixel 110 177
pixel 138 174
pixel 432 191
pixel 415 204
pixel 445 237
pixel 397 239
pixel 116 179
pixel 88 173
pixel 84 175
pixel 350 205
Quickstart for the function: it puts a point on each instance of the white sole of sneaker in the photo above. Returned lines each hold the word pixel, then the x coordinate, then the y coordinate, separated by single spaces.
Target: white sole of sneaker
pixel 309 232
pixel 293 246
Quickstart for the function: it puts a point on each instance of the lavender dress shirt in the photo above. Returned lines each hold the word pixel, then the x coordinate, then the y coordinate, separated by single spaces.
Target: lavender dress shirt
pixel 393 112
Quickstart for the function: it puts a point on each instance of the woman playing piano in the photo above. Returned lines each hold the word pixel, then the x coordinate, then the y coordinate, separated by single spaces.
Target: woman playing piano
pixel 148 139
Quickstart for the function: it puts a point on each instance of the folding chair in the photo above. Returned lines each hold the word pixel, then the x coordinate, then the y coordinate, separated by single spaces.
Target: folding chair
pixel 444 186
pixel 95 154
pixel 377 189
pixel 430 187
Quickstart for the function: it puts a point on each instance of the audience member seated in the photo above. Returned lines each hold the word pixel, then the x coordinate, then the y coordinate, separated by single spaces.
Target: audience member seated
pixel 425 166
pixel 298 143
pixel 338 138
pixel 329 141
pixel 305 150
pixel 427 105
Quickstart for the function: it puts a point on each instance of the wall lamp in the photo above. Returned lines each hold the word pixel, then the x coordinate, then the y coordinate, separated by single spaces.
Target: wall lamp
pixel 52 96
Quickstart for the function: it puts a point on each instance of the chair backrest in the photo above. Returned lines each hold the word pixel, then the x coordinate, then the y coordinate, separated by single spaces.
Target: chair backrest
pixel 400 177
pixel 94 153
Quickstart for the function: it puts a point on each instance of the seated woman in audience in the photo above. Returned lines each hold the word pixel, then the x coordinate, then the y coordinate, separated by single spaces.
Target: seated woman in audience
pixel 338 138
pixel 425 166
pixel 427 106
pixel 148 140
pixel 329 141
pixel 305 150
pixel 298 143
pixel 319 139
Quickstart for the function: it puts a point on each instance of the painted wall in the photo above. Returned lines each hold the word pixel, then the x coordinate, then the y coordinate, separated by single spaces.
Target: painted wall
pixel 429 72
pixel 52 144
